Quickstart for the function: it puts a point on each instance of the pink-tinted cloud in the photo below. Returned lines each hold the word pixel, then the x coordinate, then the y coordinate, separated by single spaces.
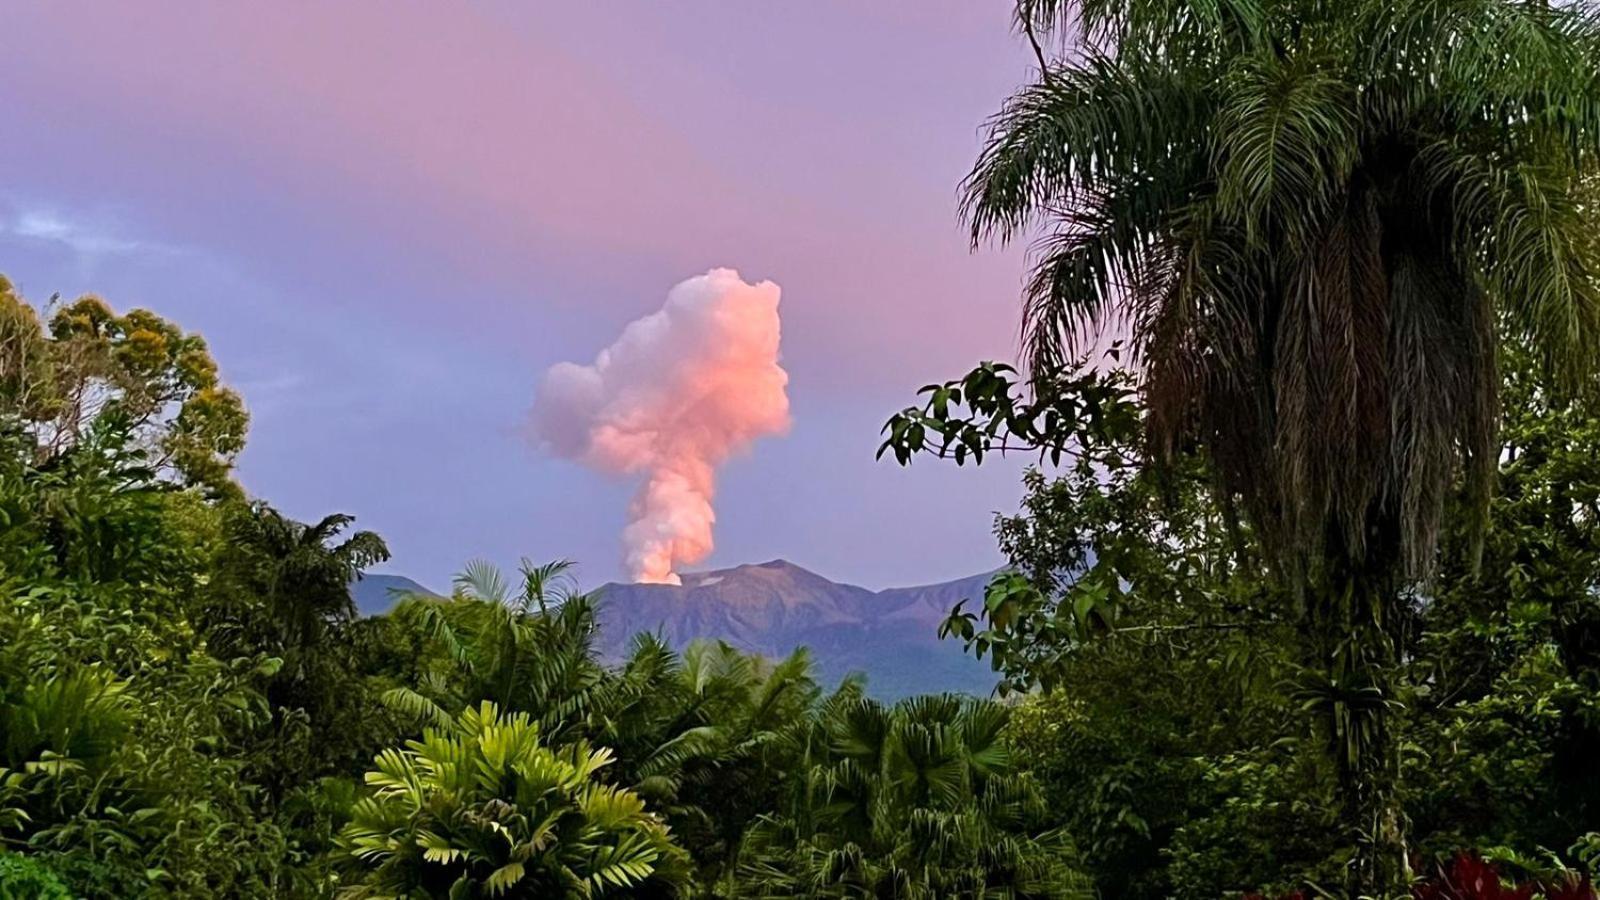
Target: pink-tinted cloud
pixel 451 113
pixel 492 138
pixel 419 206
pixel 678 393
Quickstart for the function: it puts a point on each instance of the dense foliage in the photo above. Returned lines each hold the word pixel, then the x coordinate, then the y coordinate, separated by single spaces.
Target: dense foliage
pixel 191 707
pixel 1303 603
pixel 485 809
pixel 1316 224
pixel 1167 668
pixel 921 799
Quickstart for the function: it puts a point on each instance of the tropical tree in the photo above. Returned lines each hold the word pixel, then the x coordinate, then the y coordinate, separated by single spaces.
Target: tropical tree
pixel 531 651
pixel 698 735
pixel 300 573
pixel 1314 221
pixel 921 799
pixel 706 737
pixel 282 588
pixel 484 809
pixel 90 363
pixel 1170 750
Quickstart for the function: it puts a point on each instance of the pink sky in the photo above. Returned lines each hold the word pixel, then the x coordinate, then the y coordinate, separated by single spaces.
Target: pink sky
pixel 389 217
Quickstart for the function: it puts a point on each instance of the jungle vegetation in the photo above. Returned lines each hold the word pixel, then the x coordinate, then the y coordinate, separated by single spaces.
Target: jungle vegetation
pixel 1303 599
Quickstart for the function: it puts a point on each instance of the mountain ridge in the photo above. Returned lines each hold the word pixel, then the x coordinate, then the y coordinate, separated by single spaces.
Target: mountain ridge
pixel 770 608
pixel 374 592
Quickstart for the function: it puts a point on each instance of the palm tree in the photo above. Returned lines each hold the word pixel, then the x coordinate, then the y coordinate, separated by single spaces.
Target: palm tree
pixel 302 572
pixel 921 799
pixel 1316 221
pixel 283 588
pixel 485 809
pixel 704 738
pixel 695 735
pixel 531 651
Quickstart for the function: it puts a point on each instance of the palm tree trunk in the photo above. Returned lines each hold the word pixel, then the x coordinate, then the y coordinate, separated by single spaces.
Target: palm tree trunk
pixel 1372 816
pixel 1359 627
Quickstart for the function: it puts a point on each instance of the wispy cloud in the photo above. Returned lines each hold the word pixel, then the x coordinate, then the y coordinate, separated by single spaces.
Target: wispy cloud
pixel 82 238
pixel 91 237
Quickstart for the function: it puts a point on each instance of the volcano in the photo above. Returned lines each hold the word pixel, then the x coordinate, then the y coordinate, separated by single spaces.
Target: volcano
pixel 891 636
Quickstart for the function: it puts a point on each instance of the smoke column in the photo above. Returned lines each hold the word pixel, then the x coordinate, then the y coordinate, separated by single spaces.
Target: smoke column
pixel 679 392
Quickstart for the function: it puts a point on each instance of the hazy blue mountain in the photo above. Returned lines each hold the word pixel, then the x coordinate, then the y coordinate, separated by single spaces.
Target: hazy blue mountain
pixel 771 608
pixel 375 594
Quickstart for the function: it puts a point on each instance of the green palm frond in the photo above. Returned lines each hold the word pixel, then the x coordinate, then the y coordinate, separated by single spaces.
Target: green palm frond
pixel 484 804
pixel 703 743
pixel 1285 140
pixel 361 550
pixel 546 585
pixel 326 529
pixel 1059 144
pixel 1316 221
pixel 73 718
pixel 482 580
pixel 414 705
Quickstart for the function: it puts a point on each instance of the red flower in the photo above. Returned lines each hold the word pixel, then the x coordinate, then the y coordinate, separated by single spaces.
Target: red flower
pixel 1469 877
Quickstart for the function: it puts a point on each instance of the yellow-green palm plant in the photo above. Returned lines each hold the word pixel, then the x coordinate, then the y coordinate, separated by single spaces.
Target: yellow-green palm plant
pixel 1316 221
pixel 484 809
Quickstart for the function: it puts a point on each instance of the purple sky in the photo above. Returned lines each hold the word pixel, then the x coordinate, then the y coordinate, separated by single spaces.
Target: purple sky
pixel 388 219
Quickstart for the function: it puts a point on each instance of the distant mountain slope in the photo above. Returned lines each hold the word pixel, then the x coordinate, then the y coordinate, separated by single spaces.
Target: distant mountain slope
pixel 771 608
pixel 375 594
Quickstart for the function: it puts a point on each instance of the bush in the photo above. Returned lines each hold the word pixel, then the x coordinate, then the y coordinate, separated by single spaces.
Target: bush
pixel 25 878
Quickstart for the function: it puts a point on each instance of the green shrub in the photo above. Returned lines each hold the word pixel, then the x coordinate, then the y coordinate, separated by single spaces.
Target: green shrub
pixel 25 878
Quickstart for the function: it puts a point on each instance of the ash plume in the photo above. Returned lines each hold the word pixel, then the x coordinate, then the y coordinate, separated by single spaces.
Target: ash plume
pixel 679 392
